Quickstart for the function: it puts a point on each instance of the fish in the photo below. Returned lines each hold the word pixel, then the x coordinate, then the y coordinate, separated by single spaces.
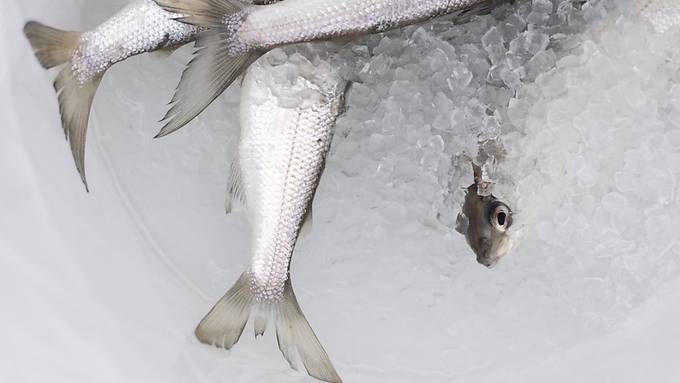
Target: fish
pixel 240 33
pixel 289 106
pixel 140 27
pixel 485 221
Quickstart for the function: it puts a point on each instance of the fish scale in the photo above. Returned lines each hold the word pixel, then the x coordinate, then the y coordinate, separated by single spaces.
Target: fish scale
pixel 307 20
pixel 281 166
pixel 141 27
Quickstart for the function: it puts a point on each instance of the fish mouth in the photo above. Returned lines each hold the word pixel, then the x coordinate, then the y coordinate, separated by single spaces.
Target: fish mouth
pixel 490 263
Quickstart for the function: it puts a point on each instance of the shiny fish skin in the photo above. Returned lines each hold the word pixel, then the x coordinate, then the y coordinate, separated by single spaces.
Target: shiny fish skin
pixel 282 153
pixel 139 28
pixel 295 21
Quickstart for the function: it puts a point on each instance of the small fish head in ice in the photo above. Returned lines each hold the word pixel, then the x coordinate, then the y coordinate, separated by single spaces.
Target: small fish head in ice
pixel 485 222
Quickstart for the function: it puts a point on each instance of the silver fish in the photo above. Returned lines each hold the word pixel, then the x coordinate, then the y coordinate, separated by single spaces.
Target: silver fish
pixel 289 106
pixel 241 33
pixel 485 222
pixel 140 27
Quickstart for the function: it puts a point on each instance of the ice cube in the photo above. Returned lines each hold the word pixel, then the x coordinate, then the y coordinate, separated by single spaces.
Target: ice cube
pixel 542 62
pixel 543 6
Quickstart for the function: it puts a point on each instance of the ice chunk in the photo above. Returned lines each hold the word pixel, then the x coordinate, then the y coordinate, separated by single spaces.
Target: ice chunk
pixel 511 78
pixel 538 18
pixel 518 111
pixel 512 26
pixel 542 62
pixel 492 37
pixel 494 45
pixel 459 78
pixel 542 6
pixel 535 42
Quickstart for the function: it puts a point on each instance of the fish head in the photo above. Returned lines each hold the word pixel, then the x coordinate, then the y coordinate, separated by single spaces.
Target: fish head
pixel 485 222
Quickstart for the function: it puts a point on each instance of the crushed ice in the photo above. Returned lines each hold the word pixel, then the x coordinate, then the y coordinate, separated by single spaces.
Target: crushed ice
pixel 571 109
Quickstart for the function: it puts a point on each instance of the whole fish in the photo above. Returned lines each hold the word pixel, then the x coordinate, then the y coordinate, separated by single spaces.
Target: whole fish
pixel 140 27
pixel 289 106
pixel 485 222
pixel 241 33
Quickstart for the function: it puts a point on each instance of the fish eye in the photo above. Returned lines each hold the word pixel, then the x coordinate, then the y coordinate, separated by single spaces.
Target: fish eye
pixel 500 217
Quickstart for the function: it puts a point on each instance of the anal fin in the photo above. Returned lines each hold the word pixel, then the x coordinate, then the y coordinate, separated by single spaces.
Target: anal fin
pixel 235 197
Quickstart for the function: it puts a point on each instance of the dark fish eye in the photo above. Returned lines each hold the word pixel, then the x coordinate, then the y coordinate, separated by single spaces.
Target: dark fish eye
pixel 500 216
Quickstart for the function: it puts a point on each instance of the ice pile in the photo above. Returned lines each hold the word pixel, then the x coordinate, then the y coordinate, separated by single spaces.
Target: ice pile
pixel 596 163
pixel 573 109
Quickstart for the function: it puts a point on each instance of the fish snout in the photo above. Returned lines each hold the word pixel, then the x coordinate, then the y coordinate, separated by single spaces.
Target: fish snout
pixel 500 248
pixel 489 262
pixel 483 251
pixel 490 251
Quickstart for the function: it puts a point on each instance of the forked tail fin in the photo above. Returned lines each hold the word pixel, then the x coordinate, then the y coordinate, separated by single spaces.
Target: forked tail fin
pixel 213 67
pixel 224 324
pixel 54 47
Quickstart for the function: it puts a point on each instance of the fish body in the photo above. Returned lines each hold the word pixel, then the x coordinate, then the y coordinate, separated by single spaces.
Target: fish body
pixel 241 33
pixel 306 20
pixel 289 105
pixel 285 136
pixel 485 222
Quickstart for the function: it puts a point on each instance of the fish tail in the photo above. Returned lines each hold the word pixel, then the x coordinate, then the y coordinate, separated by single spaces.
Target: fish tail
pixel 224 324
pixel 214 66
pixel 54 47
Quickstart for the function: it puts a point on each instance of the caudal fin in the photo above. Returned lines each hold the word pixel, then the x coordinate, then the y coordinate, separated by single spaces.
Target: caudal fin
pixel 224 324
pixel 213 67
pixel 54 47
